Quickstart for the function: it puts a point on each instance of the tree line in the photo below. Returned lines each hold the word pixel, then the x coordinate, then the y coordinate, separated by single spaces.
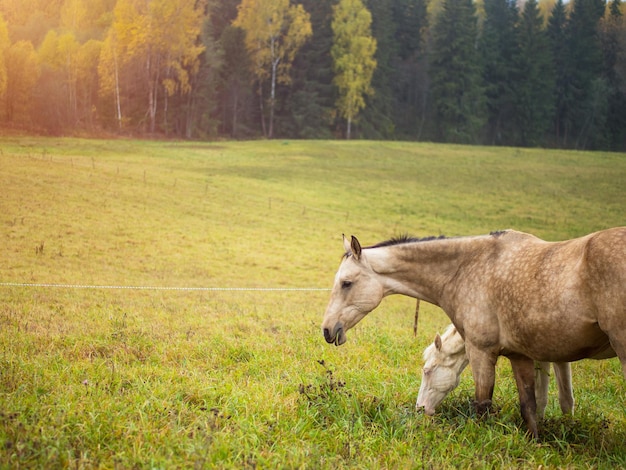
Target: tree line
pixel 496 72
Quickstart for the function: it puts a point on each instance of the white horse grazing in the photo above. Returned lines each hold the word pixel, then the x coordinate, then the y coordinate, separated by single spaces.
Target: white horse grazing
pixel 445 359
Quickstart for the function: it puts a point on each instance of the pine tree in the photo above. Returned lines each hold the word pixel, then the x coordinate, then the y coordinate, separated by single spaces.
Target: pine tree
pixel 561 60
pixel 237 112
pixel 588 105
pixel 497 48
pixel 533 86
pixel 613 26
pixel 193 114
pixel 376 120
pixel 308 105
pixel 456 74
pixel 411 65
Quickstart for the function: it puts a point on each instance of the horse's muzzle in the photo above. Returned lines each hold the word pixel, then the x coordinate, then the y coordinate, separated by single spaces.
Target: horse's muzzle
pixel 337 336
pixel 423 409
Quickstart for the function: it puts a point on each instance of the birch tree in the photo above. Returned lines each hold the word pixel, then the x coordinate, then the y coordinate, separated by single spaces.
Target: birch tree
pixel 109 74
pixel 275 30
pixel 353 57
pixel 162 35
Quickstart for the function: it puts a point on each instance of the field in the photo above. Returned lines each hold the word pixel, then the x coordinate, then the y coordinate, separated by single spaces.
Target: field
pixel 161 303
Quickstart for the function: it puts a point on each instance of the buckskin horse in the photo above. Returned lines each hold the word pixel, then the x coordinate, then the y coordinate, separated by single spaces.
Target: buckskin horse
pixel 508 294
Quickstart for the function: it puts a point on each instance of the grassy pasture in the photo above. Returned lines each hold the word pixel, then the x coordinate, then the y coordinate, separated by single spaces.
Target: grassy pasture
pixel 243 378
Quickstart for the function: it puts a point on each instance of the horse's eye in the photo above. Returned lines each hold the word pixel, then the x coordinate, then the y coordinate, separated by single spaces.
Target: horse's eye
pixel 346 284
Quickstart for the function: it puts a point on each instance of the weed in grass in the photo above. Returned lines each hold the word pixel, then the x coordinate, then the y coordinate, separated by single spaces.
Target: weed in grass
pixel 326 398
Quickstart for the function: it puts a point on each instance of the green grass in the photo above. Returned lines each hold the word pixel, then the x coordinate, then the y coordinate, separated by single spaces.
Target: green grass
pixel 243 379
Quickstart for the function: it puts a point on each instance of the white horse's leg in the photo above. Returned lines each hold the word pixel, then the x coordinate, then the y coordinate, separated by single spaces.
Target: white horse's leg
pixel 542 379
pixel 563 373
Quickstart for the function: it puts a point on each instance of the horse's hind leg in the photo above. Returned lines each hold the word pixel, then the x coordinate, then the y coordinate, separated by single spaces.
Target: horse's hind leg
pixel 524 372
pixel 542 380
pixel 563 373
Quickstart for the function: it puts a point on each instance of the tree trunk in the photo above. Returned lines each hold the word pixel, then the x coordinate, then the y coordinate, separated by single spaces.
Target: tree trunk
pixel 152 103
pixel 272 99
pixel 262 108
pixel 153 89
pixel 235 106
pixel 117 92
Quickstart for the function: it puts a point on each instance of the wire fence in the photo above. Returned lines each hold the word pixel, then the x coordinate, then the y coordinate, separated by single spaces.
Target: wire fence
pixel 164 288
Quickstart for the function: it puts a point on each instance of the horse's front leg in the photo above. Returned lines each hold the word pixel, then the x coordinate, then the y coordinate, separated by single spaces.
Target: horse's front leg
pixel 524 372
pixel 483 365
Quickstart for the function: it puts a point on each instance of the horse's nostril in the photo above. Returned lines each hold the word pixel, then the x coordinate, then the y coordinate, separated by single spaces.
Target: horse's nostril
pixel 327 336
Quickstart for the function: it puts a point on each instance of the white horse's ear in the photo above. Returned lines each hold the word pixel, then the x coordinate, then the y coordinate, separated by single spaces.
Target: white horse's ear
pixel 356 247
pixel 438 342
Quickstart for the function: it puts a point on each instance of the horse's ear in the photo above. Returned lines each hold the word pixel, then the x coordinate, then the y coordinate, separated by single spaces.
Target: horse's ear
pixel 438 342
pixel 346 244
pixel 356 247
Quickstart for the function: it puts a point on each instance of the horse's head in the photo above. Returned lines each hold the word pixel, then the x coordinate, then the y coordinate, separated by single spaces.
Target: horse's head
pixel 356 292
pixel 444 360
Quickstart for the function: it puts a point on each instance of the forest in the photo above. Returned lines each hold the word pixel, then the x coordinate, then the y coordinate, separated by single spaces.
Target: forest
pixel 490 72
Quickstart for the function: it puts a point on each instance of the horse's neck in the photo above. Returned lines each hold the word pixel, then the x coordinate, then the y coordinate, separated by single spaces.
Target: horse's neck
pixel 423 269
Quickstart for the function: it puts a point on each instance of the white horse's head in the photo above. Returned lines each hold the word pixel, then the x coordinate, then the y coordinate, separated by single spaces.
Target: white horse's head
pixel 444 360
pixel 357 291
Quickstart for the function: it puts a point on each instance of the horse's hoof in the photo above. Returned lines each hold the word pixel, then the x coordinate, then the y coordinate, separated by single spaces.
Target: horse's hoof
pixel 482 407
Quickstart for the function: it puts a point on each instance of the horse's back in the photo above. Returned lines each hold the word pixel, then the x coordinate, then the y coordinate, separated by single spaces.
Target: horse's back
pixel 574 290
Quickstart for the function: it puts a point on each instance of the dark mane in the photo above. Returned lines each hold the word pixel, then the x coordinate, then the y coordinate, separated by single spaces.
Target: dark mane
pixel 402 239
pixel 498 233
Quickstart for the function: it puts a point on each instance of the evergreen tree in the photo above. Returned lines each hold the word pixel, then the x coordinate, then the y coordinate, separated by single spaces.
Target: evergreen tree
pixel 534 78
pixel 307 107
pixel 376 120
pixel 561 60
pixel 194 113
pixel 588 105
pixel 237 111
pixel 497 48
pixel 411 66
pixel 456 74
pixel 613 26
